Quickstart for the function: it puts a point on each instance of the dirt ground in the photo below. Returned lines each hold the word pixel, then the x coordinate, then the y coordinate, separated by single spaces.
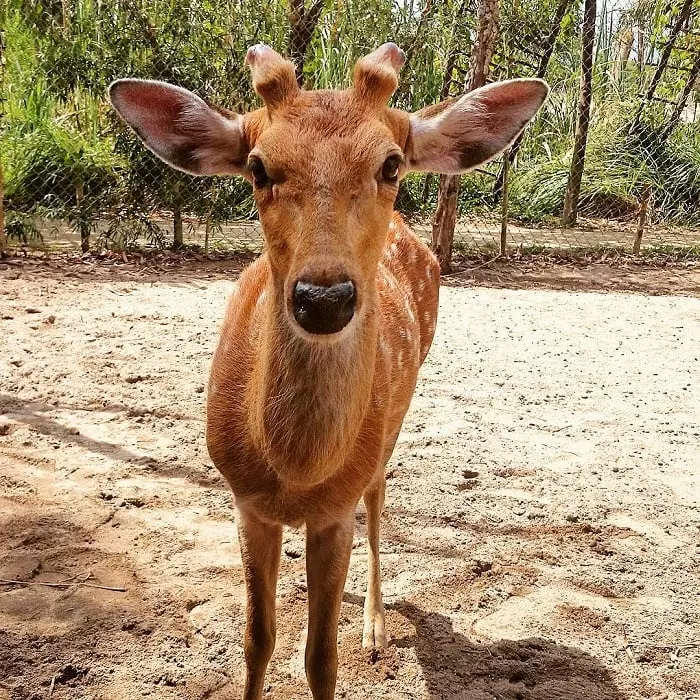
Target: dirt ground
pixel 541 539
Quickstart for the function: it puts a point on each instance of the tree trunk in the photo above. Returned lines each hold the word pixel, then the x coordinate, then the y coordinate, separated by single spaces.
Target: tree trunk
pixel 573 187
pixel 178 240
pixel 689 86
pixel 445 219
pixel 302 25
pixel 448 190
pixel 681 21
pixel 545 57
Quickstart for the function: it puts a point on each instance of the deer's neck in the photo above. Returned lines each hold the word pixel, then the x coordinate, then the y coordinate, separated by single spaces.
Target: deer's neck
pixel 308 399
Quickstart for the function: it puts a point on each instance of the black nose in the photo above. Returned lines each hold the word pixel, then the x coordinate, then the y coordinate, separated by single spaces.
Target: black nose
pixel 324 309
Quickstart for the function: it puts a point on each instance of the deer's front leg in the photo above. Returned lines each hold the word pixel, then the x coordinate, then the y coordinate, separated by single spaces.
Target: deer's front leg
pixel 327 557
pixel 374 634
pixel 261 545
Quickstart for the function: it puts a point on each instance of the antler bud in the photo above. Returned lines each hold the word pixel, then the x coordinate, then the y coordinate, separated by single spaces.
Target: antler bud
pixel 273 76
pixel 377 74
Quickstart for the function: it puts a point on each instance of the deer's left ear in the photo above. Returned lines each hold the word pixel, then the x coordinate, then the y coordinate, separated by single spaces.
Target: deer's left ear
pixel 181 128
pixel 457 135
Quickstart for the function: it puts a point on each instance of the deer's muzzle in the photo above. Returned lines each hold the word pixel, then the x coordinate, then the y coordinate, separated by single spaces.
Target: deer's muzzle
pixel 323 309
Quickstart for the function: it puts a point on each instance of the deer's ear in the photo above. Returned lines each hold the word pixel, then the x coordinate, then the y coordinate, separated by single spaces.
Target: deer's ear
pixel 180 128
pixel 457 135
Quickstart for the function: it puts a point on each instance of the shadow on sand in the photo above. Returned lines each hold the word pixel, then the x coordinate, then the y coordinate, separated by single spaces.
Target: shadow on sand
pixel 456 668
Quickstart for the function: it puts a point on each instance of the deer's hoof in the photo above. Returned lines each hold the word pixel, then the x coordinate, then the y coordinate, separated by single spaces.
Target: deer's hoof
pixel 374 634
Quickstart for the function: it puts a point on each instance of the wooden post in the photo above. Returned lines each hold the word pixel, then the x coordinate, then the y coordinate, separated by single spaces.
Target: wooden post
pixel 83 226
pixel 643 206
pixel 178 240
pixel 504 204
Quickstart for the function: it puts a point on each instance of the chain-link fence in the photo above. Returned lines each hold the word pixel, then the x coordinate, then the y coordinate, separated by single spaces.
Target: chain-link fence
pixel 612 160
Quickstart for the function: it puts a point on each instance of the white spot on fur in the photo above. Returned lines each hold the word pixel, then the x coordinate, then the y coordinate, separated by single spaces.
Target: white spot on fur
pixel 409 310
pixel 383 347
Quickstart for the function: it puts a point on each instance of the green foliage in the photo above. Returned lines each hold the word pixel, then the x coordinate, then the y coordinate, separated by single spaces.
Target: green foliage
pixel 60 136
pixel 46 163
pixel 20 227
pixel 618 168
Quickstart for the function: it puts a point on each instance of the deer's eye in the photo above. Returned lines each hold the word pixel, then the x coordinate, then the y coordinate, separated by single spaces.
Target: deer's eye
pixel 390 169
pixel 257 170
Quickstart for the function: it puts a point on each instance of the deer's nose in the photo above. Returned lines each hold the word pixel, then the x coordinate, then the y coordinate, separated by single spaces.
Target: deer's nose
pixel 324 309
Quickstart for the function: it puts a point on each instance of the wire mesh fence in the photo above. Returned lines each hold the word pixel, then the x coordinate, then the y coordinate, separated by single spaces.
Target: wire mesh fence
pixel 613 159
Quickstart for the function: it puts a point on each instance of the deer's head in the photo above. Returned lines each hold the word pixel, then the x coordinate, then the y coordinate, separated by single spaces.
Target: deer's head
pixel 325 165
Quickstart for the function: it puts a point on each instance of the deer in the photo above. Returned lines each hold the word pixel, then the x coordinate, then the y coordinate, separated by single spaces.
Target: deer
pixel 325 332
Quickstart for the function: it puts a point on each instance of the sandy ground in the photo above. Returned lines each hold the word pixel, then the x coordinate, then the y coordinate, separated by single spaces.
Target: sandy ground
pixel 541 539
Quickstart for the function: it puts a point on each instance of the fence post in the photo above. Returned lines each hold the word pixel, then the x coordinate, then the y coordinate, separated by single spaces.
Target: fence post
pixel 83 226
pixel 505 169
pixel 643 206
pixel 178 240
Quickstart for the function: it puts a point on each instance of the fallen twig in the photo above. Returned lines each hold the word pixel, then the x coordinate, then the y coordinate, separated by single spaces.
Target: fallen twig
pixel 10 582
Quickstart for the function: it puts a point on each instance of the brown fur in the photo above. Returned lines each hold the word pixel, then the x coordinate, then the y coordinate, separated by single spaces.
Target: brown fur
pixel 300 426
pixel 299 430
pixel 277 429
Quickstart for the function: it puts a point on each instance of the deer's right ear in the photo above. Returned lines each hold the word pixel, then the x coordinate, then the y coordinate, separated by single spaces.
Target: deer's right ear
pixel 180 128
